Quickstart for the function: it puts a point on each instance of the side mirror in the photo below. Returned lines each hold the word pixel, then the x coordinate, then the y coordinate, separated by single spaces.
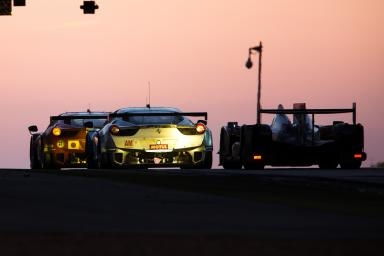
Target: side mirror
pixel 32 128
pixel 88 124
pixel 202 121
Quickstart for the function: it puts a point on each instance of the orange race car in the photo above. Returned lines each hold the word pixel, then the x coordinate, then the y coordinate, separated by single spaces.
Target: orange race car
pixel 68 141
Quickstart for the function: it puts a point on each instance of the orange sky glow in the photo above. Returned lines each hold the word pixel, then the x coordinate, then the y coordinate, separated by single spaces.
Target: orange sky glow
pixel 55 59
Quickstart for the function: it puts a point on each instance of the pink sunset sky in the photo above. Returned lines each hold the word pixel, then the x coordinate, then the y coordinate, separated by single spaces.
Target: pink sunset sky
pixel 54 59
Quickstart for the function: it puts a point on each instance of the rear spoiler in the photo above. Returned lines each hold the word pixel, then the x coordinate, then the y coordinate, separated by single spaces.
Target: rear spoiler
pixel 314 111
pixel 55 118
pixel 202 114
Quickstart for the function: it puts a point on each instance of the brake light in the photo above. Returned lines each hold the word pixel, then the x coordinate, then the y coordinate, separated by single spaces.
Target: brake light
pixel 358 156
pixel 56 131
pixel 257 157
pixel 114 129
pixel 200 128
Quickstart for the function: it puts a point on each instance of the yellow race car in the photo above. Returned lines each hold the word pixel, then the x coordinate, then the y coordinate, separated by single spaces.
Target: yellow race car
pixel 155 137
pixel 68 141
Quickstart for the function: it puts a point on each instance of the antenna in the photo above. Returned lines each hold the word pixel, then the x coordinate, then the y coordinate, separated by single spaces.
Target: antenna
pixel 149 95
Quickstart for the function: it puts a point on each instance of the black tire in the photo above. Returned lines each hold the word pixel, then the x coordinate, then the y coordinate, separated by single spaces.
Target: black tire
pixel 207 163
pixel 328 165
pixel 232 165
pixel 91 162
pixel 46 163
pixel 253 166
pixel 103 161
pixel 92 157
pixel 351 165
pixel 34 161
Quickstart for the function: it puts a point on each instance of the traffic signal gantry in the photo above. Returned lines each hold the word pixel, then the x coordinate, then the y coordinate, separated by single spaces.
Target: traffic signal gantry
pixel 88 7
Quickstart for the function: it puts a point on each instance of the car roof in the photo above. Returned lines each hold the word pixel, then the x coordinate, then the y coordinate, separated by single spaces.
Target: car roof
pixel 80 114
pixel 147 110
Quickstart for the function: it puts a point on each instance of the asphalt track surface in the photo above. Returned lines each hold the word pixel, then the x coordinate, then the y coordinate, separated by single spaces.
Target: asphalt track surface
pixel 192 212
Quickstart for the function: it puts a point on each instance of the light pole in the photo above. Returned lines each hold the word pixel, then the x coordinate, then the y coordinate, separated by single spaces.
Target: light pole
pixel 249 65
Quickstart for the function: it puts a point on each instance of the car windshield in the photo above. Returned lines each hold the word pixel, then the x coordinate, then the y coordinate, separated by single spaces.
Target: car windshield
pixel 97 123
pixel 153 120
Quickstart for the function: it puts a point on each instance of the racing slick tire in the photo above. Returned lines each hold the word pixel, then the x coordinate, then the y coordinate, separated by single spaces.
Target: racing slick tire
pixel 46 163
pixel 232 165
pixel 253 166
pixel 207 163
pixel 103 161
pixel 328 165
pixel 351 165
pixel 92 163
pixel 92 157
pixel 34 161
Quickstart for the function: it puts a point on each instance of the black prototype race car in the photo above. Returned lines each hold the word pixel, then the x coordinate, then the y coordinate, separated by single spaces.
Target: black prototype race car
pixel 297 143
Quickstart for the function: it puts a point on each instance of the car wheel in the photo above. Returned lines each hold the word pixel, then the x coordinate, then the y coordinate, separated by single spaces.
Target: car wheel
pixel 91 150
pixel 351 165
pixel 91 163
pixel 46 163
pixel 232 165
pixel 328 165
pixel 103 161
pixel 253 166
pixel 92 156
pixel 34 161
pixel 207 163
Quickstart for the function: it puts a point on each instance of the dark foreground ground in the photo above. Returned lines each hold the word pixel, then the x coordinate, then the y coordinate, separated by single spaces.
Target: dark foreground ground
pixel 194 212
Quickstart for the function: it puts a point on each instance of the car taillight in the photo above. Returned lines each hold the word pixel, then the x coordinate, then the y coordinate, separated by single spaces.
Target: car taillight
pixel 56 131
pixel 114 129
pixel 200 128
pixel 358 156
pixel 257 157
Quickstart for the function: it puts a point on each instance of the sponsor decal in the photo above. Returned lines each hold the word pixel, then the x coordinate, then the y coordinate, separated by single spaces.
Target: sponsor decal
pixel 73 144
pixel 60 144
pixel 128 143
pixel 158 146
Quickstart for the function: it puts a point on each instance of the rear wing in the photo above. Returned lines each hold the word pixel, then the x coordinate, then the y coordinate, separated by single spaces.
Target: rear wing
pixel 314 111
pixel 55 118
pixel 201 114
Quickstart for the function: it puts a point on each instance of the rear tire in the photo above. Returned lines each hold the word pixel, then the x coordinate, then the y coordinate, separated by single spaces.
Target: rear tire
pixel 328 165
pixel 92 156
pixel 91 163
pixel 232 165
pixel 351 165
pixel 46 163
pixel 34 161
pixel 207 163
pixel 253 166
pixel 103 161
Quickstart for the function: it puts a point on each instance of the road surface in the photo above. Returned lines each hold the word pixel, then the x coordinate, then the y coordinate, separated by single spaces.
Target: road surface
pixel 114 212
